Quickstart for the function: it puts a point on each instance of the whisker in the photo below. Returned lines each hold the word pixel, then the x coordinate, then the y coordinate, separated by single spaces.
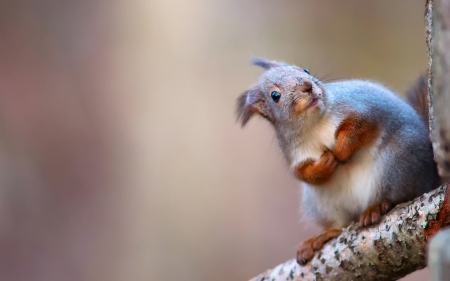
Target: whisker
pixel 327 78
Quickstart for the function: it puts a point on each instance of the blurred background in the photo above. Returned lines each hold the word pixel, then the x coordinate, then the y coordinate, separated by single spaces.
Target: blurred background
pixel 120 158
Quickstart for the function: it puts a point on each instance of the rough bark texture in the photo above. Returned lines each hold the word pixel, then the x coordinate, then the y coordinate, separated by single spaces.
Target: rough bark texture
pixel 438 23
pixel 438 41
pixel 388 251
pixel 429 37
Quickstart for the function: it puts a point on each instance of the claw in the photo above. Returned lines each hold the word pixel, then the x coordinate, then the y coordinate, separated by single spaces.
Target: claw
pixel 306 251
pixel 372 215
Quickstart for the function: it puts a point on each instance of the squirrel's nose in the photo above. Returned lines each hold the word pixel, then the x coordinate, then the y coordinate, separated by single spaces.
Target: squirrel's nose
pixel 306 87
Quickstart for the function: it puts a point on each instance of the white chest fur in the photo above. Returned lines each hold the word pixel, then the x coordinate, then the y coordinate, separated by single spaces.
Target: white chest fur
pixel 353 186
pixel 315 141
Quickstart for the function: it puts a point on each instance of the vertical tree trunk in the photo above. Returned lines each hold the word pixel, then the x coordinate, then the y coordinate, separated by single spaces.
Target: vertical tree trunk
pixel 438 40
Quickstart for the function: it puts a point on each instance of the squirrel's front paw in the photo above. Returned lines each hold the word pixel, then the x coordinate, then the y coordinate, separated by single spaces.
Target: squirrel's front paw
pixel 372 215
pixel 316 172
pixel 306 251
pixel 327 161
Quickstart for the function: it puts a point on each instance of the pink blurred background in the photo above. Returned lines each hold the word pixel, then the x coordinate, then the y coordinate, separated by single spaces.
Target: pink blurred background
pixel 120 158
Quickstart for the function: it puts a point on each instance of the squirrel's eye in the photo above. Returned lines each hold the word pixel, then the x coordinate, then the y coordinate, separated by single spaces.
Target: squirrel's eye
pixel 275 96
pixel 306 70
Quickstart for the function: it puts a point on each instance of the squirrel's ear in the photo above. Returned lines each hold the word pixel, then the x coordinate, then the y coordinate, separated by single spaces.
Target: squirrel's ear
pixel 250 102
pixel 267 64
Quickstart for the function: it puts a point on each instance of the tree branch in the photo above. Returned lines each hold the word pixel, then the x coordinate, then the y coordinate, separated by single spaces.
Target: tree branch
pixel 388 251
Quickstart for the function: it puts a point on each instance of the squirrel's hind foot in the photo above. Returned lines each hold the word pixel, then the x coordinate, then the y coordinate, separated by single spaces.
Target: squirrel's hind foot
pixel 306 251
pixel 372 215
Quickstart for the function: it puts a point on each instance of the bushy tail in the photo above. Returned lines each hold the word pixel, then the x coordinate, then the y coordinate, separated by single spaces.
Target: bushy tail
pixel 417 97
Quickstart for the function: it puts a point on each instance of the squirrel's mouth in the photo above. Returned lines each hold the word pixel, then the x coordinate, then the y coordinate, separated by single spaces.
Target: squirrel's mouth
pixel 316 98
pixel 300 106
pixel 313 102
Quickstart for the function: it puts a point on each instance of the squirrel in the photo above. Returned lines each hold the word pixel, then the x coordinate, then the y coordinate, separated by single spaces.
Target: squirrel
pixel 358 148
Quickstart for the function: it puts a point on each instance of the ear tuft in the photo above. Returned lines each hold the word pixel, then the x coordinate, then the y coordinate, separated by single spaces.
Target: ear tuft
pixel 243 112
pixel 250 102
pixel 267 64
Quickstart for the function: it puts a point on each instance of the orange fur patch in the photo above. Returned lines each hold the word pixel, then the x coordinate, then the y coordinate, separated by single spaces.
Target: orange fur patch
pixel 316 172
pixel 353 133
pixel 300 105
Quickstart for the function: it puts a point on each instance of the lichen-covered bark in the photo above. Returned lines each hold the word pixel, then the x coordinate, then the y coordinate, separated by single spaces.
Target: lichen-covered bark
pixel 388 251
pixel 438 45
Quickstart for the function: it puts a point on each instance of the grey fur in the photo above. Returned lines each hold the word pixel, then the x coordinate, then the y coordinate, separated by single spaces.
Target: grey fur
pixel 404 152
pixel 410 169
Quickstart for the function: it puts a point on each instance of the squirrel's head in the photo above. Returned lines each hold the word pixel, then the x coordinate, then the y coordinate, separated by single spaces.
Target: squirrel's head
pixel 285 94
